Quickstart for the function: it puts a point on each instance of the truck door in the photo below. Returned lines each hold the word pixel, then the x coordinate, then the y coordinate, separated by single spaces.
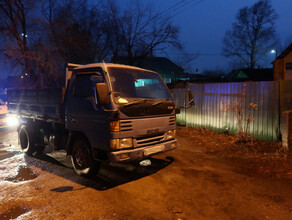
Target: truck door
pixel 83 113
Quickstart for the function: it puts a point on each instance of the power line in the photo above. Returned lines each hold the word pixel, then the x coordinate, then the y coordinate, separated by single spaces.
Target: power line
pixel 179 8
pixel 195 3
pixel 170 8
pixel 166 14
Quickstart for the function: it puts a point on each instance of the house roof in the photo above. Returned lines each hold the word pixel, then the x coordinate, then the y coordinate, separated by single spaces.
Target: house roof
pixel 285 52
pixel 157 64
pixel 251 75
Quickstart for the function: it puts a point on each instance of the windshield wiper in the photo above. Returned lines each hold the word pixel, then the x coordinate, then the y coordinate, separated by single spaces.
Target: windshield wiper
pixel 160 101
pixel 135 102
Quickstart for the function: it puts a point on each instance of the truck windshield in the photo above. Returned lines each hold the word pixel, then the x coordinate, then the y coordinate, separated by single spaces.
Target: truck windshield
pixel 131 84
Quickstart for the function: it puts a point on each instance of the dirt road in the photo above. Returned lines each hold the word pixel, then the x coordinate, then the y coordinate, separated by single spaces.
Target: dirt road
pixel 191 182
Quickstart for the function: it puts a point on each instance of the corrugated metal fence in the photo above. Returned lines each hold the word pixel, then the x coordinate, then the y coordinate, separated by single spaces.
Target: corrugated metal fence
pixel 212 101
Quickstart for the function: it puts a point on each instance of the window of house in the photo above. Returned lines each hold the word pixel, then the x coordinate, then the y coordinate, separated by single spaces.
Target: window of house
pixel 167 80
pixel 288 66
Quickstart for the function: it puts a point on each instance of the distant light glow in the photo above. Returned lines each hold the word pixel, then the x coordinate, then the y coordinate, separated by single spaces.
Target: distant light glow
pixel 25 35
pixel 273 51
pixel 12 120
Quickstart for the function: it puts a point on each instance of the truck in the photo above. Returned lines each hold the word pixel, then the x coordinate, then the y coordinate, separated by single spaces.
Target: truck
pixel 105 112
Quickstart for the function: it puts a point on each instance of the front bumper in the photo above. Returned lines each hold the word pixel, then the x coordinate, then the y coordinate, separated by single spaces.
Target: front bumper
pixel 143 152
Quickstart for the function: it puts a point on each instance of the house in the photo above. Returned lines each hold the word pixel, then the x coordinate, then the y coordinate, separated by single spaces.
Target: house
pixel 168 70
pixel 243 75
pixel 283 65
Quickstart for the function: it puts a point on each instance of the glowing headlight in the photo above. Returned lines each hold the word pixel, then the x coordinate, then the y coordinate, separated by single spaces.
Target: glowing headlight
pixel 12 120
pixel 121 143
pixel 170 134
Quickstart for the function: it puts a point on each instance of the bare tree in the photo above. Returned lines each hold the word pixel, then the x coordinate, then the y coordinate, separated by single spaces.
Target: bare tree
pixel 42 36
pixel 252 34
pixel 41 43
pixel 75 30
pixel 14 31
pixel 138 32
pixel 19 26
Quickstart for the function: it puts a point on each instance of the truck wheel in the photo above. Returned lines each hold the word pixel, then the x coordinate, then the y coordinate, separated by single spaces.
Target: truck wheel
pixel 82 159
pixel 26 140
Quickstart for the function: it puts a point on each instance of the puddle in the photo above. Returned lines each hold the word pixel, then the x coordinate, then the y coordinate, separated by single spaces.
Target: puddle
pixel 6 154
pixel 23 174
pixel 14 212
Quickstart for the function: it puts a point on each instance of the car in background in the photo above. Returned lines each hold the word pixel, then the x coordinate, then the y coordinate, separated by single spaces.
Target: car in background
pixel 6 120
pixel 3 114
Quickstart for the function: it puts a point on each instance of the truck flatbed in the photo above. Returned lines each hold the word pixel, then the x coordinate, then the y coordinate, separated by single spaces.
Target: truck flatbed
pixel 45 104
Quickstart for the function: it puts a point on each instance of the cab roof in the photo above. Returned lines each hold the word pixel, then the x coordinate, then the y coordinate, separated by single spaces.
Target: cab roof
pixel 110 65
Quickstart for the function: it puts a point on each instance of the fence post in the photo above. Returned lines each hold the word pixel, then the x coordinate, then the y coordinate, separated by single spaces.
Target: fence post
pixel 287 132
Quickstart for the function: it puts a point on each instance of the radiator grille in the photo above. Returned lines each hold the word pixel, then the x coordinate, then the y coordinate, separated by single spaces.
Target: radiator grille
pixel 126 125
pixel 172 120
pixel 149 140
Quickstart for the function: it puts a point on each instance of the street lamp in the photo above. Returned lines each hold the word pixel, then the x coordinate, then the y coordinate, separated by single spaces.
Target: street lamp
pixel 274 52
pixel 25 35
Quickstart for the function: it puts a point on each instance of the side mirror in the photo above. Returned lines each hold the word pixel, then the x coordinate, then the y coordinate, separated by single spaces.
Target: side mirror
pixel 102 93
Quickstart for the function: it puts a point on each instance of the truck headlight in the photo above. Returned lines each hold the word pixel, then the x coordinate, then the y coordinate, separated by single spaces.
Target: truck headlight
pixel 171 134
pixel 12 120
pixel 122 143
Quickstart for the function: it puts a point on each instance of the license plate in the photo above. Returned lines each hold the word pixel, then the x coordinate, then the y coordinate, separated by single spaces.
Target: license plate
pixel 153 150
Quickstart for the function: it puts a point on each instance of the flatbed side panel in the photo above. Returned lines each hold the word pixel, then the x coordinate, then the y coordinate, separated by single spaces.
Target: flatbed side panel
pixel 37 103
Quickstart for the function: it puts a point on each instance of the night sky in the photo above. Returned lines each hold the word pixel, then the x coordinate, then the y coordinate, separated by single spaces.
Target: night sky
pixel 203 25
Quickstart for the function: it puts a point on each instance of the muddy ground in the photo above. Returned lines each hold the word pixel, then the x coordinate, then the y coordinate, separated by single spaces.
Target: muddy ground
pixel 209 176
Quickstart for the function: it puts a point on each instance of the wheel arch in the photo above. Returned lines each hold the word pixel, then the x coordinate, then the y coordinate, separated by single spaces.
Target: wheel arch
pixel 98 154
pixel 73 136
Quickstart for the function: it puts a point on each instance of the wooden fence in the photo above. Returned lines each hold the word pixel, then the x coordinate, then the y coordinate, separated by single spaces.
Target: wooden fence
pixel 212 102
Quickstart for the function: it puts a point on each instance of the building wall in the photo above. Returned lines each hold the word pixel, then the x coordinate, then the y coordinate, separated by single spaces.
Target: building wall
pixel 280 70
pixel 289 70
pixel 289 57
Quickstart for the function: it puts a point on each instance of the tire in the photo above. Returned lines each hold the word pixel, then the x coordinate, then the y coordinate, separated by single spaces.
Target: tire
pixel 82 159
pixel 26 140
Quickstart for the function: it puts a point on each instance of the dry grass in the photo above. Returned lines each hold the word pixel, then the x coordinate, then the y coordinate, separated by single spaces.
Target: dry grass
pixel 258 157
